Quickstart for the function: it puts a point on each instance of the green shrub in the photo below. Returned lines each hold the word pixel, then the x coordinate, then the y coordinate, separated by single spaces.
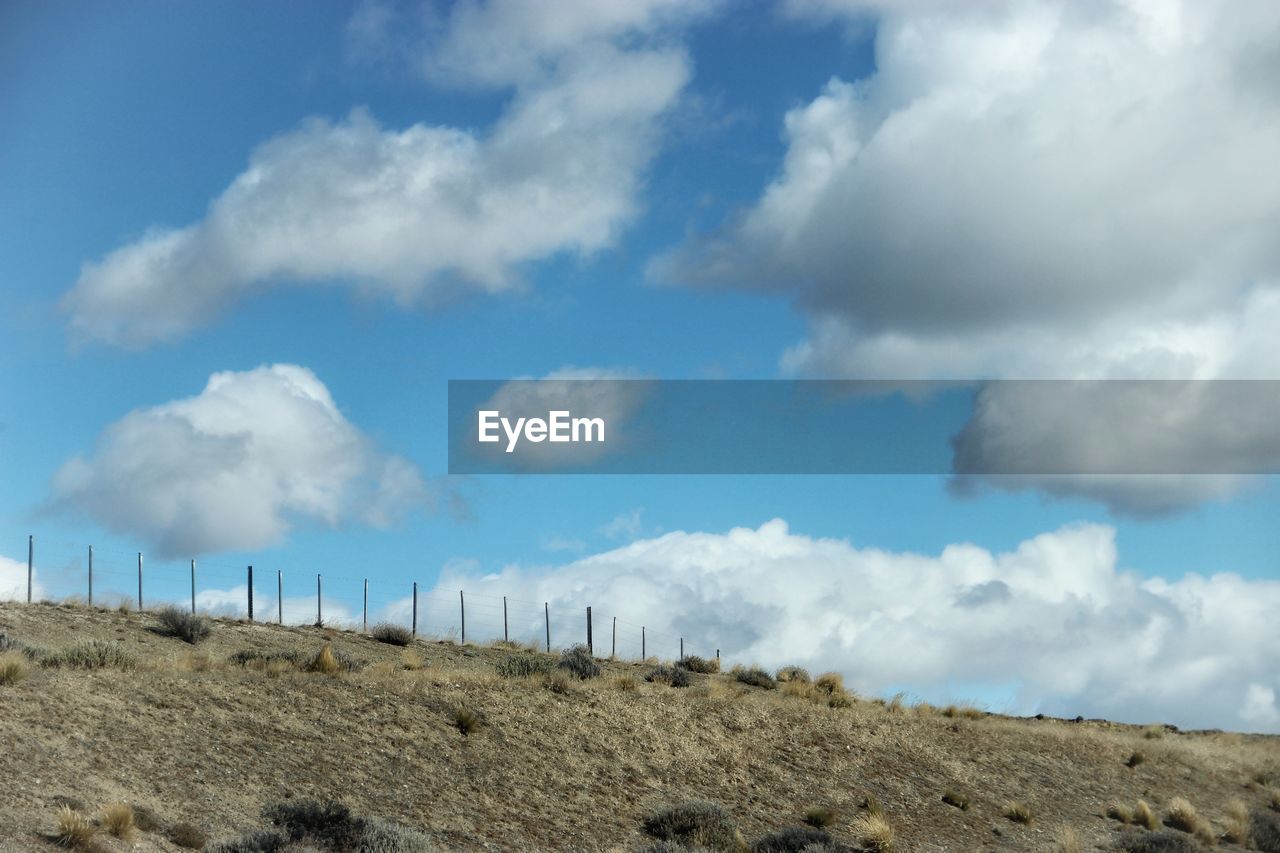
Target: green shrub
pixel 579 662
pixel 329 823
pixel 525 665
pixel 755 676
pixel 391 634
pixel 694 824
pixel 672 676
pixel 90 654
pixel 191 627
pixel 693 663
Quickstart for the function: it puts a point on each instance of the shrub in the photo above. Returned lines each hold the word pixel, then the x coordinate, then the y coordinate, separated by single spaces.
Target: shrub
pixel 1144 817
pixel 1018 813
pixel 187 626
pixel 1153 732
pixel 755 676
pixel 331 662
pixel 1135 759
pixel 557 681
pixel 874 833
pixel 1183 816
pixel 391 634
pixel 626 683
pixel 959 799
pixel 792 673
pixel 1120 812
pixel 830 683
pixel 13 668
pixel 792 839
pixel 261 841
pixel 329 823
pixel 117 819
pixel 524 665
pixel 672 676
pixel 12 644
pixel 1158 842
pixel 466 720
pixel 1265 831
pixel 74 829
pixel 579 662
pixel 693 663
pixel 820 816
pixel 258 660
pixel 187 835
pixel 381 836
pixel 693 824
pixel 90 654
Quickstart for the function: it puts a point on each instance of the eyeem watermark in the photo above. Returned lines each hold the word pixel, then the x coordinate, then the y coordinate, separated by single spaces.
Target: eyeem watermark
pixel 558 426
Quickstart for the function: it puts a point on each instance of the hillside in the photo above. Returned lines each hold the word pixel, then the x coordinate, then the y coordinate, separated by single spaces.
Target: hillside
pixel 185 735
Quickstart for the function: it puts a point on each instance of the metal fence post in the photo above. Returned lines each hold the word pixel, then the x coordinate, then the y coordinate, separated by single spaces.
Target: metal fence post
pixel 139 580
pixel 251 593
pixel 193 587
pixel 31 561
pixel 366 605
pixel 414 629
pixel 319 609
pixel 643 652
pixel 90 575
pixel 682 648
pixel 613 651
pixel 462 604
pixel 590 647
pixel 506 638
pixel 546 610
pixel 280 596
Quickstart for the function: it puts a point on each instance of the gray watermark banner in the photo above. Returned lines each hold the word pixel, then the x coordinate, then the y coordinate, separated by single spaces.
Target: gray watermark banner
pixel 992 428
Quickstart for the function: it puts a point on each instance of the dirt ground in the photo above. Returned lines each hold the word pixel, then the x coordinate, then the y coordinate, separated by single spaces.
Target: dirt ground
pixel 194 738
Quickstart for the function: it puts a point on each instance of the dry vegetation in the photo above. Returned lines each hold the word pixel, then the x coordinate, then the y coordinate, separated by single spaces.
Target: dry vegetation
pixel 120 734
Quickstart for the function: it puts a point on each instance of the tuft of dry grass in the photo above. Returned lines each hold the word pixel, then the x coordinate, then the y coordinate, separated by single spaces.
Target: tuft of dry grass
pixel 1236 823
pixel 1273 799
pixel 754 676
pixel 411 660
pixel 1135 758
pixel 1120 812
pixel 968 712
pixel 792 673
pixel 1182 816
pixel 820 817
pixel 959 799
pixel 13 668
pixel 74 829
pixel 117 819
pixel 874 833
pixel 872 804
pixel 1144 817
pixel 897 703
pixel 1067 840
pixel 1019 812
pixel 466 720
pixel 391 634
pixel 626 684
pixel 1154 732
pixel 557 681
pixel 90 654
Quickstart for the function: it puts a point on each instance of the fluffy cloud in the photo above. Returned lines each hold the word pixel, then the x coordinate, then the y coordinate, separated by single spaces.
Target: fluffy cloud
pixel 1028 188
pixel 300 610
pixel 236 466
pixel 424 212
pixel 13 581
pixel 1046 617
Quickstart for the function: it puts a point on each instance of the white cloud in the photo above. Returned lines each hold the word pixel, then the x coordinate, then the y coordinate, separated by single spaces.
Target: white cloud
pixel 624 525
pixel 13 581
pixel 1049 615
pixel 1028 189
pixel 299 610
pixel 236 466
pixel 424 212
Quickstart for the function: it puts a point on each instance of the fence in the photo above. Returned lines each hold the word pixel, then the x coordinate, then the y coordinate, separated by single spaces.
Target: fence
pixel 116 578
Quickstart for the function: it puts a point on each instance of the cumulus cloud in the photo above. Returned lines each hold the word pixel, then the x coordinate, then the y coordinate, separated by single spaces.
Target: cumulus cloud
pixel 1046 617
pixel 13 581
pixel 236 466
pixel 1027 188
pixel 424 212
pixel 300 610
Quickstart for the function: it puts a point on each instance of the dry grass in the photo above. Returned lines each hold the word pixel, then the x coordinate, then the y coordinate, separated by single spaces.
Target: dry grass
pixel 74 829
pixel 1018 812
pixel 968 712
pixel 626 683
pixel 1236 823
pixel 792 673
pixel 1120 812
pixel 754 676
pixel 874 833
pixel 1135 758
pixel 187 835
pixel 959 799
pixel 467 720
pixel 820 817
pixel 91 654
pixel 1144 816
pixel 1182 816
pixel 117 819
pixel 1067 840
pixel 1273 799
pixel 391 634
pixel 13 667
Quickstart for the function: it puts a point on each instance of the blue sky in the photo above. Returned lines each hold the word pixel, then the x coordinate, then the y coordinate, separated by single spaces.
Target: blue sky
pixel 812 189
